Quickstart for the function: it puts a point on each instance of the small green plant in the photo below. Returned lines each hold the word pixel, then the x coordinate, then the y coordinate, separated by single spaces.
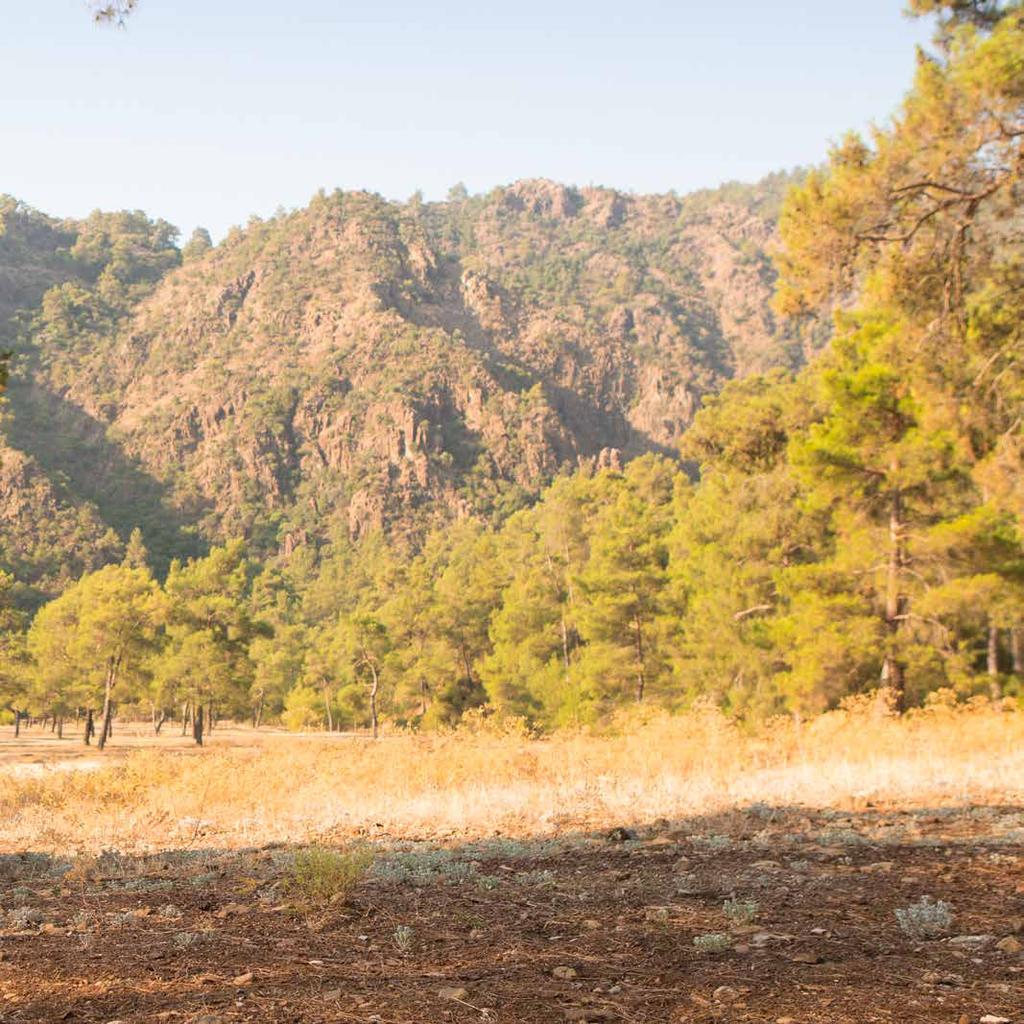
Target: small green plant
pixel 713 942
pixel 925 919
pixel 715 842
pixel 320 876
pixel 403 938
pixel 545 879
pixel 740 911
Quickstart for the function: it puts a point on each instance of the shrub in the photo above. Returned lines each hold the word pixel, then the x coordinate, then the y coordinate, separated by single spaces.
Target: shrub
pixel 713 942
pixel 320 876
pixel 740 911
pixel 925 919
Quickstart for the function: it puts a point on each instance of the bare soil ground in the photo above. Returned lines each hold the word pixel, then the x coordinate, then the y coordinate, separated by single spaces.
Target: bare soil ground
pixel 574 928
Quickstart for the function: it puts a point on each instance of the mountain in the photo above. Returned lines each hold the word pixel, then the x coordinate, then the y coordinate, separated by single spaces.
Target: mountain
pixel 360 364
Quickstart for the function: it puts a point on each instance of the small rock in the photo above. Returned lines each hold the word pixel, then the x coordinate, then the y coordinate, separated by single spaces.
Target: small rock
pixel 725 994
pixel 805 958
pixel 242 979
pixel 971 941
pixel 169 910
pixel 662 841
pixel 456 995
pixel 991 1018
pixel 591 925
pixel 934 978
pixel 333 994
pixel 564 973
pixel 1009 945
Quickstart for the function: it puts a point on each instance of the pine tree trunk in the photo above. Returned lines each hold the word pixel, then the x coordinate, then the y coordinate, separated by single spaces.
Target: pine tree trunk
pixel 60 728
pixel 107 706
pixel 423 695
pixel 638 645
pixel 17 724
pixel 88 727
pixel 1017 650
pixel 992 664
pixel 327 705
pixel 893 674
pixel 184 719
pixel 373 699
pixel 197 725
pixel 259 714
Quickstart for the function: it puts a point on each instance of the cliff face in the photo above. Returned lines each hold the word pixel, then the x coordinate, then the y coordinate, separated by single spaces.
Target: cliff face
pixel 361 364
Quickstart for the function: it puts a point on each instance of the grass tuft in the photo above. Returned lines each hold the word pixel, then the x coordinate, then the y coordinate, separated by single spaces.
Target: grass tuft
pixel 322 877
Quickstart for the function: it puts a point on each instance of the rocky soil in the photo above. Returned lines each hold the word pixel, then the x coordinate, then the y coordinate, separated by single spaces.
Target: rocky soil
pixel 770 915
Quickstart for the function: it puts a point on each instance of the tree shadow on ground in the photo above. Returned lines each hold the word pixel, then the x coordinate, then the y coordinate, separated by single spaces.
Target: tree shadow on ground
pixel 752 914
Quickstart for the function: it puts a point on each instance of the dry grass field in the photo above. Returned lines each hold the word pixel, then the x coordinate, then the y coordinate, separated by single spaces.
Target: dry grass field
pixel 675 869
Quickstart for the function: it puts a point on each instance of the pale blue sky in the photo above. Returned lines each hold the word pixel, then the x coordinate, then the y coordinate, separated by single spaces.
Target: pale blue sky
pixel 206 111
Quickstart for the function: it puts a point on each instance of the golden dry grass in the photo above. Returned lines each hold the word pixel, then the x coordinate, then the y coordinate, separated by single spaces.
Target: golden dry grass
pixel 479 781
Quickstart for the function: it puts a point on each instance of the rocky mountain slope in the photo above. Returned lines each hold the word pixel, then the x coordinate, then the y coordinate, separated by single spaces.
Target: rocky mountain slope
pixel 360 363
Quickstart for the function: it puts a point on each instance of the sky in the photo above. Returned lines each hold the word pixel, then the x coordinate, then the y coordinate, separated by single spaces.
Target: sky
pixel 209 111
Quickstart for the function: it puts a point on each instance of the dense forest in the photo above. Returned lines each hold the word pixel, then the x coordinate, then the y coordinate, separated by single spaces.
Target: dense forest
pixel 517 506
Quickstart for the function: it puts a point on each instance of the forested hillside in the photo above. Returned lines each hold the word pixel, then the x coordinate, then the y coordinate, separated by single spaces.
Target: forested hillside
pixel 450 455
pixel 361 364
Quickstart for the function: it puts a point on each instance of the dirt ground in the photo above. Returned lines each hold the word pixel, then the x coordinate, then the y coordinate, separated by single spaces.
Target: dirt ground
pixel 576 928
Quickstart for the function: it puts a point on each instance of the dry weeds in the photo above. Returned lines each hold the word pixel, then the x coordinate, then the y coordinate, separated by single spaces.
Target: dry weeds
pixel 485 780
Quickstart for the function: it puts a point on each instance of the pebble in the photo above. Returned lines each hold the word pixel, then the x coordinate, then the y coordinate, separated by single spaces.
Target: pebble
pixel 971 941
pixel 243 979
pixel 564 973
pixel 1009 945
pixel 725 994
pixel 455 994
